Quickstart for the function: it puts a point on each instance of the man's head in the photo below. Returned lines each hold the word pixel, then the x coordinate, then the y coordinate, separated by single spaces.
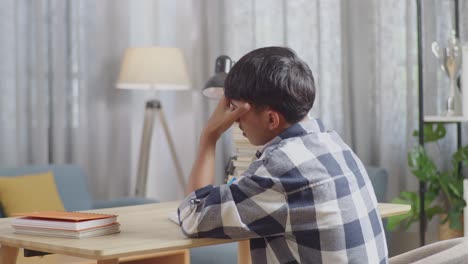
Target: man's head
pixel 279 86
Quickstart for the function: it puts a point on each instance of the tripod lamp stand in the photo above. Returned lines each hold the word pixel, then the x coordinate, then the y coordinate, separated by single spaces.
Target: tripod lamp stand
pixel 154 68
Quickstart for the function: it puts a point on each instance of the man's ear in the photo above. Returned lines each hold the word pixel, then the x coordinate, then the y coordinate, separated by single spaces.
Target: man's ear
pixel 273 120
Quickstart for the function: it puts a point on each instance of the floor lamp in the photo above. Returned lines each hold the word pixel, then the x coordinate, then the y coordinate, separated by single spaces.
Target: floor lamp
pixel 153 68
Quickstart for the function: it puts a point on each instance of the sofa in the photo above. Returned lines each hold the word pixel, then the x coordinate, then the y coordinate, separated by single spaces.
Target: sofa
pixel 452 251
pixel 72 186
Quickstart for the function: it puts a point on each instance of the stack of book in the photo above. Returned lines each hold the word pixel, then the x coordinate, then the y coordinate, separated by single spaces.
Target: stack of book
pixel 65 224
pixel 244 154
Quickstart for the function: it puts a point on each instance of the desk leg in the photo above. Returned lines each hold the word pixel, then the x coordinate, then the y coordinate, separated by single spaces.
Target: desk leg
pixel 8 254
pixel 108 261
pixel 243 252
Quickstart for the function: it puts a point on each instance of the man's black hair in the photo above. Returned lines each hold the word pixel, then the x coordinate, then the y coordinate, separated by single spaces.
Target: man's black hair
pixel 273 77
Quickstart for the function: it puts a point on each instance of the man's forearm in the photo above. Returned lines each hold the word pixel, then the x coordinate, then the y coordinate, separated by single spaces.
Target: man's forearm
pixel 202 173
pixel 221 119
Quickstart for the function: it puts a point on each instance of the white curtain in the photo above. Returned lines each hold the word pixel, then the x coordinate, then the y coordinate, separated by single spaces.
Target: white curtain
pixel 60 60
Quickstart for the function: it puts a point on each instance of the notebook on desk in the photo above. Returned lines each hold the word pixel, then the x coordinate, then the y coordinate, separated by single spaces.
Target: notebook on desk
pixel 65 224
pixel 63 220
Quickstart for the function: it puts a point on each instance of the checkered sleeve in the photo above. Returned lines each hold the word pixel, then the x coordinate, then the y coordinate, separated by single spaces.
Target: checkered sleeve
pixel 252 206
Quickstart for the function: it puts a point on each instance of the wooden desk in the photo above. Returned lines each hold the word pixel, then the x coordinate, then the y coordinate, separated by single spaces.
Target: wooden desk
pixel 145 230
pixel 388 209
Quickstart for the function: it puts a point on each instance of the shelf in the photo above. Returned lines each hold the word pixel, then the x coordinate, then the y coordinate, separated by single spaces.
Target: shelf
pixel 445 119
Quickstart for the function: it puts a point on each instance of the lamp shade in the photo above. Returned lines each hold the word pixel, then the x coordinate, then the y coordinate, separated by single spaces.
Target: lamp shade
pixel 214 87
pixel 159 68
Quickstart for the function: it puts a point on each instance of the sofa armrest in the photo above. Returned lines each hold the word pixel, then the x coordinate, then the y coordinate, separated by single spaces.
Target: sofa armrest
pixel 125 201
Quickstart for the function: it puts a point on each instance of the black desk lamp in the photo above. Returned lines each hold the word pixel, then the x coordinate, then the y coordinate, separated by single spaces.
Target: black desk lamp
pixel 214 86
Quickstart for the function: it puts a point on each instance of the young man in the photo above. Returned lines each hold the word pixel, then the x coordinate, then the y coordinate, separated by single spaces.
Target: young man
pixel 307 198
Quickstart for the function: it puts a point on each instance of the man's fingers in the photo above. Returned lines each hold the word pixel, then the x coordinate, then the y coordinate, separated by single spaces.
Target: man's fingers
pixel 241 110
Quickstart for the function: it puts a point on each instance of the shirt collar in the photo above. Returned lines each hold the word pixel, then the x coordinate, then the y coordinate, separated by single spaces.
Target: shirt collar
pixel 307 126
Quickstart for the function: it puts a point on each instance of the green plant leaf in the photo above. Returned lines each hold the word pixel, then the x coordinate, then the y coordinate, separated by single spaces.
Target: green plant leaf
pixel 432 132
pixel 432 191
pixel 442 186
pixel 456 189
pixel 455 220
pixel 412 199
pixel 432 211
pixel 408 197
pixel 421 164
pixel 414 218
pixel 461 155
pixel 394 221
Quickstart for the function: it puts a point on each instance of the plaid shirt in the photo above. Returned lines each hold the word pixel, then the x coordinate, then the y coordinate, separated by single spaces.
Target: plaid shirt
pixel 306 199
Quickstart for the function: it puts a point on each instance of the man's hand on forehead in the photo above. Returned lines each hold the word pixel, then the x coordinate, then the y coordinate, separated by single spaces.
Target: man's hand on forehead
pixel 225 114
pixel 234 105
